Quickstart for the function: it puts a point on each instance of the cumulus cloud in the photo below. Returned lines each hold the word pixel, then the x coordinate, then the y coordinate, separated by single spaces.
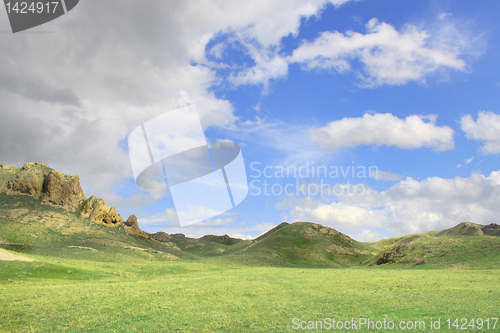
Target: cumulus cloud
pixel 35 89
pixel 267 67
pixel 74 88
pixel 368 236
pixel 486 128
pixel 410 206
pixel 387 56
pixel 384 130
pixel 339 215
pixel 259 29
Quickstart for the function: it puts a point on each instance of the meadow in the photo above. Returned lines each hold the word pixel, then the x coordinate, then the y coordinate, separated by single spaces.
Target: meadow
pixel 295 277
pixel 68 293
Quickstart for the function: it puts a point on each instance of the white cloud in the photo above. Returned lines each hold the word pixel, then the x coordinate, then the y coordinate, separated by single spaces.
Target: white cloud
pixel 71 97
pixel 169 216
pixel 261 39
pixel 411 206
pixel 268 66
pixel 466 161
pixel 339 215
pixel 383 129
pixel 486 128
pixel 385 175
pixel 241 236
pixel 388 56
pixel 167 222
pixel 368 236
pixel 224 140
pixel 442 16
pixel 290 143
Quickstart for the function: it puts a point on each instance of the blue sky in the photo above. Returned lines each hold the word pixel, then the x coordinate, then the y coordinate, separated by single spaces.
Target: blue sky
pixel 408 88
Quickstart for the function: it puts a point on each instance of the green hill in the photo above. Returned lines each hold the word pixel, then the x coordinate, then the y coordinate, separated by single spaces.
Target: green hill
pixel 471 229
pixel 44 212
pixel 467 245
pixel 305 244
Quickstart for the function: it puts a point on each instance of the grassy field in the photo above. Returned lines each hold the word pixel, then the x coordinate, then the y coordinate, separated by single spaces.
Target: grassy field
pixel 94 278
pixel 72 294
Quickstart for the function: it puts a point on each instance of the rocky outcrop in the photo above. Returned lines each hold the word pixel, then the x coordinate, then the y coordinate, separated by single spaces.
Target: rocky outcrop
pixel 26 180
pixel 62 190
pixel 97 211
pixel 57 189
pixel 161 236
pixel 392 254
pixel 471 229
pixel 5 172
pixel 492 229
pixel 132 227
pixel 6 168
pixel 38 180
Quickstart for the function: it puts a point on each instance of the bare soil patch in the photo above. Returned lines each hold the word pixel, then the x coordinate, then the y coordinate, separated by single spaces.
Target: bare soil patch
pixel 9 256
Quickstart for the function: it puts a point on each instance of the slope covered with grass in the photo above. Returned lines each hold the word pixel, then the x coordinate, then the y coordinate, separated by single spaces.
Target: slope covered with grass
pixel 466 245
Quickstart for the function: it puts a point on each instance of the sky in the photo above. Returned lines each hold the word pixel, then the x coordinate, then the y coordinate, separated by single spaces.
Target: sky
pixel 377 118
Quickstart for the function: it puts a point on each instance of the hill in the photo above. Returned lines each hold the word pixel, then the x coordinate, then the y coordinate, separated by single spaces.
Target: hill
pixel 305 244
pixel 467 245
pixel 44 212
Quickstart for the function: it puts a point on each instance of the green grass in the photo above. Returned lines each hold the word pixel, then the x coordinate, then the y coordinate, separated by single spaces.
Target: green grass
pixel 167 296
pixel 430 251
pixel 304 244
pixel 100 279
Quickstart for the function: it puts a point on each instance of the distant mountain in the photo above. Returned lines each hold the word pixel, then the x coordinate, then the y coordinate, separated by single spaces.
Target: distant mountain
pixel 44 211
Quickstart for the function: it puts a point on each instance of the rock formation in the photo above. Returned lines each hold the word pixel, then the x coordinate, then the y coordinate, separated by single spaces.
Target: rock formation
pixel 57 189
pixel 38 180
pixel 161 236
pixel 132 227
pixel 97 211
